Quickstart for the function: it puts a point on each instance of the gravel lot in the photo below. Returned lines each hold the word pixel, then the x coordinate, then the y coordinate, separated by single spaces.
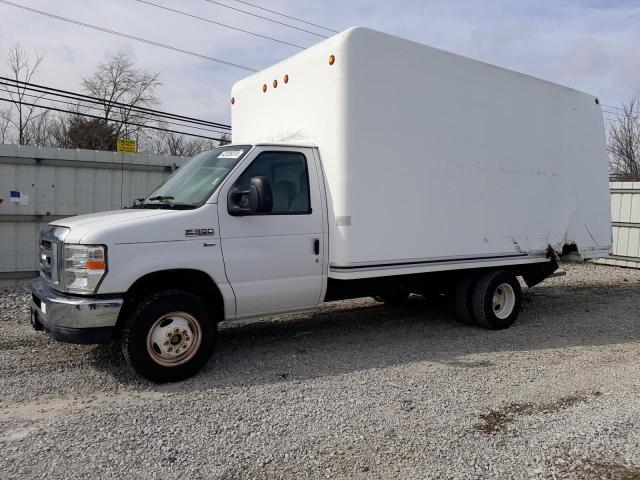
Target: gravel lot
pixel 355 390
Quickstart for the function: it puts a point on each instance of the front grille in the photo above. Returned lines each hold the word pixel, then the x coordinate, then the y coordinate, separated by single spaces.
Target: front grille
pixel 47 259
pixel 50 251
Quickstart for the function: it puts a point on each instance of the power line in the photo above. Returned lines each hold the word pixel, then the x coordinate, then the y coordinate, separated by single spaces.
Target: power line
pixel 623 112
pixel 143 115
pixel 159 120
pixel 611 106
pixel 287 16
pixel 138 110
pixel 88 98
pixel 221 24
pixel 266 18
pixel 621 116
pixel 132 110
pixel 131 37
pixel 101 118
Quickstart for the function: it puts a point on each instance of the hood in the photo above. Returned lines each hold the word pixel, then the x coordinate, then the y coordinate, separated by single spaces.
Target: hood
pixel 84 224
pixel 140 225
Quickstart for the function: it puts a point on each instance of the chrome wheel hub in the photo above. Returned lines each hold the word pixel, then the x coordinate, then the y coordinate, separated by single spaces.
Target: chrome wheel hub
pixel 504 300
pixel 174 339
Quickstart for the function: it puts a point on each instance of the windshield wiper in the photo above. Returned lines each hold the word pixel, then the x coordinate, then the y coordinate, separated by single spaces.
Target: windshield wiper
pixel 162 198
pixel 163 202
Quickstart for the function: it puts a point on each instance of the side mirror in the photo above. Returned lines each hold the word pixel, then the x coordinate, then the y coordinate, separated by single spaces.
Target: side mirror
pixel 258 198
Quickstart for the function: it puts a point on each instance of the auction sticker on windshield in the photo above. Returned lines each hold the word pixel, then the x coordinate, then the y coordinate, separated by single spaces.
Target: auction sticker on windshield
pixel 231 154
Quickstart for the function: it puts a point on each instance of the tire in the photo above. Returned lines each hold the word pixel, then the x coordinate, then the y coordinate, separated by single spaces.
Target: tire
pixel 394 298
pixel 497 298
pixel 463 299
pixel 170 336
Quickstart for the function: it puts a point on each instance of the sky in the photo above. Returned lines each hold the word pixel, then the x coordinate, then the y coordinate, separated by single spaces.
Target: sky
pixel 590 45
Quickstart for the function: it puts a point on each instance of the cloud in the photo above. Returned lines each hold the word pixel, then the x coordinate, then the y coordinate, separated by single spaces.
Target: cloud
pixel 588 58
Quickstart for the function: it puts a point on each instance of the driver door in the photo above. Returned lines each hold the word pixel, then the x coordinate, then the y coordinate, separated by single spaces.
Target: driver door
pixel 274 261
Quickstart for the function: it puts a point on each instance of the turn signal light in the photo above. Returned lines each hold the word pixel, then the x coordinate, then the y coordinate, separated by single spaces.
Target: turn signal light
pixel 95 265
pixel 332 60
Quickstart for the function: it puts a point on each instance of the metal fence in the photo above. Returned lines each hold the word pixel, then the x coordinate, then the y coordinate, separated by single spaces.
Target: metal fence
pixel 625 216
pixel 38 185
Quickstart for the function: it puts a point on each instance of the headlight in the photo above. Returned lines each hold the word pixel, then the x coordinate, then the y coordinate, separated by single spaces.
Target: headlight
pixel 83 268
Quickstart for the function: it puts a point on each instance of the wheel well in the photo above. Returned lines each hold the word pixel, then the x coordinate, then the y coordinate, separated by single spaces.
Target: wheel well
pixel 193 281
pixel 569 248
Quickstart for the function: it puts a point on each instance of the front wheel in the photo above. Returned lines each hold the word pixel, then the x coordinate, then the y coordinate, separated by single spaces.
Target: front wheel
pixel 170 336
pixel 496 300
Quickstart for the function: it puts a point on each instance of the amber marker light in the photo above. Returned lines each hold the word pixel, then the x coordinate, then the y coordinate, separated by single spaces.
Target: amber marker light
pixel 233 100
pixel 332 60
pixel 264 87
pixel 275 84
pixel 95 265
pixel 286 79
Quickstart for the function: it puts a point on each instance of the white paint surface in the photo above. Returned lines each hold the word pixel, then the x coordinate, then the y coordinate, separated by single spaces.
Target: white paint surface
pixel 435 155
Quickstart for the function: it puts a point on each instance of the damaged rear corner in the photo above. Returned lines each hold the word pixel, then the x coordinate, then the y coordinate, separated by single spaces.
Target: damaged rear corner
pixel 537 272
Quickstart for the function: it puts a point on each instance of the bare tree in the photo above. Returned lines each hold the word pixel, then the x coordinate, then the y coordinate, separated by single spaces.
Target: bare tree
pixel 40 131
pixel 175 144
pixel 5 119
pixel 117 82
pixel 624 141
pixel 22 69
pixel 180 145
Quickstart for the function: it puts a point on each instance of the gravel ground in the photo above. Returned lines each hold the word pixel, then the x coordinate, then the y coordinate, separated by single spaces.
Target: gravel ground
pixel 354 390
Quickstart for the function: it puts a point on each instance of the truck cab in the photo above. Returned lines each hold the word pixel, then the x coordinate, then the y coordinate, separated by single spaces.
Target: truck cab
pixel 239 231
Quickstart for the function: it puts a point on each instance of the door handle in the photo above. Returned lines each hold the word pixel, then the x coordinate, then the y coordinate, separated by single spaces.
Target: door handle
pixel 316 246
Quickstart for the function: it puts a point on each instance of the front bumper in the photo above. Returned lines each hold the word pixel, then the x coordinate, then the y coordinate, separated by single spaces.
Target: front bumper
pixel 70 318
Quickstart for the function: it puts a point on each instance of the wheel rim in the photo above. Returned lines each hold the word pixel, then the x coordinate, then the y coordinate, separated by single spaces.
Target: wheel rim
pixel 174 339
pixel 504 300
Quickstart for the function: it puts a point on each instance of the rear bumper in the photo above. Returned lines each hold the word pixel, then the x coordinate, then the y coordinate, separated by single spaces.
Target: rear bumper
pixel 73 319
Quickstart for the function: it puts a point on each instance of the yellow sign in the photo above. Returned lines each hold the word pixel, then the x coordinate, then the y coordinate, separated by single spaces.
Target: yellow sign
pixel 127 145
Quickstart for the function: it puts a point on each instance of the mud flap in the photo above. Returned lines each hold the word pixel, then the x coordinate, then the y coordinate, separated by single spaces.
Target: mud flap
pixel 537 272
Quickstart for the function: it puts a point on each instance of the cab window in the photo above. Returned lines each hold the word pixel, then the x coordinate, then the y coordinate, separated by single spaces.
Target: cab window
pixel 289 177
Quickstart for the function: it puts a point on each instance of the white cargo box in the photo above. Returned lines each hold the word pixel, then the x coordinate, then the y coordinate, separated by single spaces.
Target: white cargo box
pixel 434 160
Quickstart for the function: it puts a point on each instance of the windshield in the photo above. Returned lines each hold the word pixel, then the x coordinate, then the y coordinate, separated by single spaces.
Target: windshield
pixel 193 183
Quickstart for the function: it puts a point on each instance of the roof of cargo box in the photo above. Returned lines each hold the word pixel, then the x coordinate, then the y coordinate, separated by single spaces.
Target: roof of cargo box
pixel 348 88
pixel 348 35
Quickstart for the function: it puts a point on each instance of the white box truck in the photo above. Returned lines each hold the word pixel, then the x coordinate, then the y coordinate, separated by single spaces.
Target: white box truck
pixel 366 165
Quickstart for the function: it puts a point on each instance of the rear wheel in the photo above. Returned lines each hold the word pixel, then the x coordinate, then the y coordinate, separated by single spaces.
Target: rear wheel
pixel 496 300
pixel 463 300
pixel 170 336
